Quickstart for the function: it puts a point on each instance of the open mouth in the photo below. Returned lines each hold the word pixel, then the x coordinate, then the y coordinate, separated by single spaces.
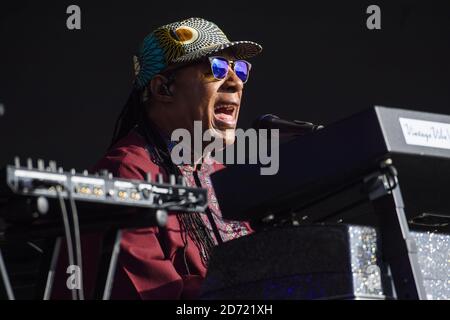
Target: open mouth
pixel 225 115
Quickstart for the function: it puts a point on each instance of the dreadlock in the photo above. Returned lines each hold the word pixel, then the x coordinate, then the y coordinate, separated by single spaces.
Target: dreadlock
pixel 133 115
pixel 129 117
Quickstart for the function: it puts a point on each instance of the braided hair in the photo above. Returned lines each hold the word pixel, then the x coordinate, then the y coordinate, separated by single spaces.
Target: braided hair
pixel 133 115
pixel 129 117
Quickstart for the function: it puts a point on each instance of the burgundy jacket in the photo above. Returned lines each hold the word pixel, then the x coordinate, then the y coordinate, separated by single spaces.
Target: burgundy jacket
pixel 151 263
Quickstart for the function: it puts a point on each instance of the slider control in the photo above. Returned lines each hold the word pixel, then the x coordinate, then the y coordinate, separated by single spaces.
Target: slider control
pixel 52 165
pixel 17 162
pixel 40 165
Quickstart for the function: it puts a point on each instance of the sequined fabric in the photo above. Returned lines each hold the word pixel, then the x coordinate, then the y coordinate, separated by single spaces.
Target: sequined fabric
pixel 365 269
pixel 434 262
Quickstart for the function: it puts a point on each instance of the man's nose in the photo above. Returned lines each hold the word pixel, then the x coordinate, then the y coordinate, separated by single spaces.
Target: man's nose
pixel 232 82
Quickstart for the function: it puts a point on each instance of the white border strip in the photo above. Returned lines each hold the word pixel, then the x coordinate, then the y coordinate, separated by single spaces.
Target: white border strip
pixel 40 175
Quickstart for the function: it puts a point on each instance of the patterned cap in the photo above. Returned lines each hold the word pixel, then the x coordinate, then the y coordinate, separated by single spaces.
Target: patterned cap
pixel 184 41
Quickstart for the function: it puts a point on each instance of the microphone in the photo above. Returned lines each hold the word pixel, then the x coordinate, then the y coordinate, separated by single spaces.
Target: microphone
pixel 296 127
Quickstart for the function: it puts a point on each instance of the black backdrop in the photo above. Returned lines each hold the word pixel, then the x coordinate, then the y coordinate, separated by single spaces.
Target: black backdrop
pixel 62 89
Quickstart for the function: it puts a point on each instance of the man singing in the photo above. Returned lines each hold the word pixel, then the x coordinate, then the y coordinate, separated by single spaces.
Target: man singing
pixel 185 71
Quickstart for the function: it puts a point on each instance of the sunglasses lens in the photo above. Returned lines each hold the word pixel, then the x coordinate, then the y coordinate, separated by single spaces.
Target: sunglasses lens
pixel 219 68
pixel 241 69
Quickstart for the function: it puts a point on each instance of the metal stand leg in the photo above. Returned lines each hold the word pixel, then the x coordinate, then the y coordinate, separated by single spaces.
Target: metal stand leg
pixel 106 271
pixel 47 269
pixel 398 247
pixel 52 269
pixel 5 278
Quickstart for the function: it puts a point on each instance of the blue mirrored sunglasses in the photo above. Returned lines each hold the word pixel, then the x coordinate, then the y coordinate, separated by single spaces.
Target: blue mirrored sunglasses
pixel 220 67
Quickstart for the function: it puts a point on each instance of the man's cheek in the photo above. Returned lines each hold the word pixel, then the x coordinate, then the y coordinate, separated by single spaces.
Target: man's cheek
pixel 208 77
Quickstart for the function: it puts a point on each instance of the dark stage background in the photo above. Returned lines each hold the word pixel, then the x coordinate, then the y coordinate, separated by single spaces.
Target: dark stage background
pixel 62 89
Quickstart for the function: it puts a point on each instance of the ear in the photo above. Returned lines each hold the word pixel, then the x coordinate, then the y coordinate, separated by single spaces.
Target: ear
pixel 158 89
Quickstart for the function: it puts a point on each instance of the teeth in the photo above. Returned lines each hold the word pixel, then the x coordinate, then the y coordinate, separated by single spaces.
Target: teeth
pixel 226 107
